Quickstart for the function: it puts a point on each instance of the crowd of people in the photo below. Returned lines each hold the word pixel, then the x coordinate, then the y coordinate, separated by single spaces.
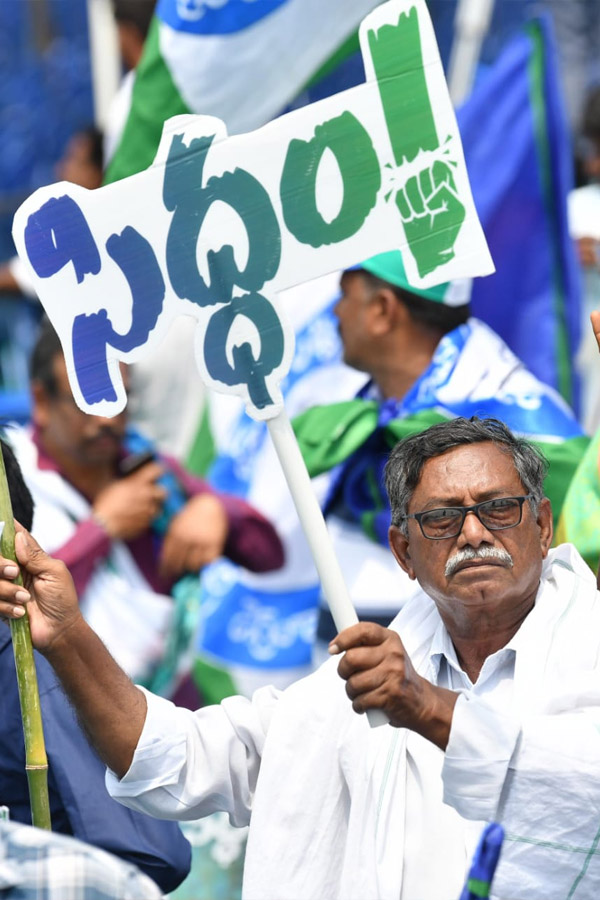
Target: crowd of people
pixel 461 494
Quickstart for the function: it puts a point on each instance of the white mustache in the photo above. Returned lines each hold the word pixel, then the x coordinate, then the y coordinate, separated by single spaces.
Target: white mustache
pixel 503 556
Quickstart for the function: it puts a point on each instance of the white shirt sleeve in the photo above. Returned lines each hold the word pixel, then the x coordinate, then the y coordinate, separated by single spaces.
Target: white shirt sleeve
pixel 482 742
pixel 498 768
pixel 191 764
pixel 545 793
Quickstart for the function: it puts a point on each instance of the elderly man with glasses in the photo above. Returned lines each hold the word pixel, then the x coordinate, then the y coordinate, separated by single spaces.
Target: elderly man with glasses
pixel 489 680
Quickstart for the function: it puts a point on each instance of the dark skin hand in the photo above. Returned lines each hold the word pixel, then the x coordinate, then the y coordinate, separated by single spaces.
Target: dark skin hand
pixel 380 675
pixel 111 709
pixel 196 536
pixel 127 506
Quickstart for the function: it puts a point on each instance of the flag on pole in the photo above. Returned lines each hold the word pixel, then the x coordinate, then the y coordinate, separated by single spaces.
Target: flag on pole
pixel 577 523
pixel 243 61
pixel 516 141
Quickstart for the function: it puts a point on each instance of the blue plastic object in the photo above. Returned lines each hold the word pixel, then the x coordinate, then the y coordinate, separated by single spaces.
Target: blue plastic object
pixel 483 866
pixel 137 443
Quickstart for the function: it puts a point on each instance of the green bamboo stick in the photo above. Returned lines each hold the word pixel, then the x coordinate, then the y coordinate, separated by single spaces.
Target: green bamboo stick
pixel 36 761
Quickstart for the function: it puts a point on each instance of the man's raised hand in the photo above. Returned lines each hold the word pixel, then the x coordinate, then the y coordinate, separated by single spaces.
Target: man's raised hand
pixel 127 506
pixel 380 675
pixel 48 591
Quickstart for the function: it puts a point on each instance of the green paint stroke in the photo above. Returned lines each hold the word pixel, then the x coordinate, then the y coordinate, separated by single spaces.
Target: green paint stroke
pixel 398 62
pixel 428 203
pixel 593 849
pixel 478 887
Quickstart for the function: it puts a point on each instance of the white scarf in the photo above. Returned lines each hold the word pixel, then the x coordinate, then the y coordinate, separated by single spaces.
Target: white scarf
pixel 329 815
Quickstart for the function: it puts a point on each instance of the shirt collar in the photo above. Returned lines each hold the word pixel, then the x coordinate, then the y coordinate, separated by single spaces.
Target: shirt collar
pixel 443 648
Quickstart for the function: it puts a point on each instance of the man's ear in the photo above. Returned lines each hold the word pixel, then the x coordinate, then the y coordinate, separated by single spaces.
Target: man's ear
pixel 400 549
pixel 544 521
pixel 384 311
pixel 41 404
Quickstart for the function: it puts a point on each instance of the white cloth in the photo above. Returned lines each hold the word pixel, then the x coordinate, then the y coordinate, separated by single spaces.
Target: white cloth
pixel 21 276
pixel 343 811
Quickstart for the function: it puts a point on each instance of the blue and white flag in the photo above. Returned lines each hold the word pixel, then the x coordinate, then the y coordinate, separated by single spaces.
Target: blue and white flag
pixel 516 142
pixel 242 61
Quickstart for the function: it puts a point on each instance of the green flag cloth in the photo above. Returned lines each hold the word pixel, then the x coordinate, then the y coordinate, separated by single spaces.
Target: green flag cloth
pixel 580 514
pixel 243 63
pixel 329 436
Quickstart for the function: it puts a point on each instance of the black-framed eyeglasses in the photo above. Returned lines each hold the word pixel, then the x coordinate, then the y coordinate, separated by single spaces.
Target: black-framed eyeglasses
pixel 447 522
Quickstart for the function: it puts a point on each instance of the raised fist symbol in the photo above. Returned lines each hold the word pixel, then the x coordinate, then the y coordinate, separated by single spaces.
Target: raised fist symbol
pixel 432 215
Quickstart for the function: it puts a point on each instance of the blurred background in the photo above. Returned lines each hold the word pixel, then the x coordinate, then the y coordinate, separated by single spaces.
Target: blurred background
pixel 78 102
pixel 63 67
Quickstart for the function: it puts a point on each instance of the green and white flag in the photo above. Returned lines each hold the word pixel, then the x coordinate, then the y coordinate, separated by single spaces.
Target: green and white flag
pixel 240 60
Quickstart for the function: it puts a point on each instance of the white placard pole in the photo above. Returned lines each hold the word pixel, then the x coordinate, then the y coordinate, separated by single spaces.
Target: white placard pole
pixel 315 529
pixel 471 25
pixel 105 58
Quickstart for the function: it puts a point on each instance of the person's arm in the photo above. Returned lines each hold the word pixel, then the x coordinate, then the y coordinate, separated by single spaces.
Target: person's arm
pixel 213 524
pixel 252 540
pixel 166 761
pixel 379 675
pixel 111 709
pixel 121 511
pixel 158 848
pixel 190 764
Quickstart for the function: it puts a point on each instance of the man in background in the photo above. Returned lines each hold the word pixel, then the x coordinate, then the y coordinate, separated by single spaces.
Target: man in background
pixel 79 803
pixel 427 360
pixel 131 526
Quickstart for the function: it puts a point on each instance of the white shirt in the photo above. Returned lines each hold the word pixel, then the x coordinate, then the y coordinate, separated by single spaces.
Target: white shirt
pixel 340 810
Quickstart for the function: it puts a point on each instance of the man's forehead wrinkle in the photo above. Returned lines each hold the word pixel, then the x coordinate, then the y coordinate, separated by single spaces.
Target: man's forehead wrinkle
pixel 476 471
pixel 479 497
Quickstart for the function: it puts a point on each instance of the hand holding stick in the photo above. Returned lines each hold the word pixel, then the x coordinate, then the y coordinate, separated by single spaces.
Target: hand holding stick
pixel 312 521
pixel 36 762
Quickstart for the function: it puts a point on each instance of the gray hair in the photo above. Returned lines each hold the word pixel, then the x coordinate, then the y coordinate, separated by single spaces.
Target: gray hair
pixel 405 464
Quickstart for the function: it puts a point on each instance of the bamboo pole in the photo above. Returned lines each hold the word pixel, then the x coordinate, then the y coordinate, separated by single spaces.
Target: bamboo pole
pixel 36 761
